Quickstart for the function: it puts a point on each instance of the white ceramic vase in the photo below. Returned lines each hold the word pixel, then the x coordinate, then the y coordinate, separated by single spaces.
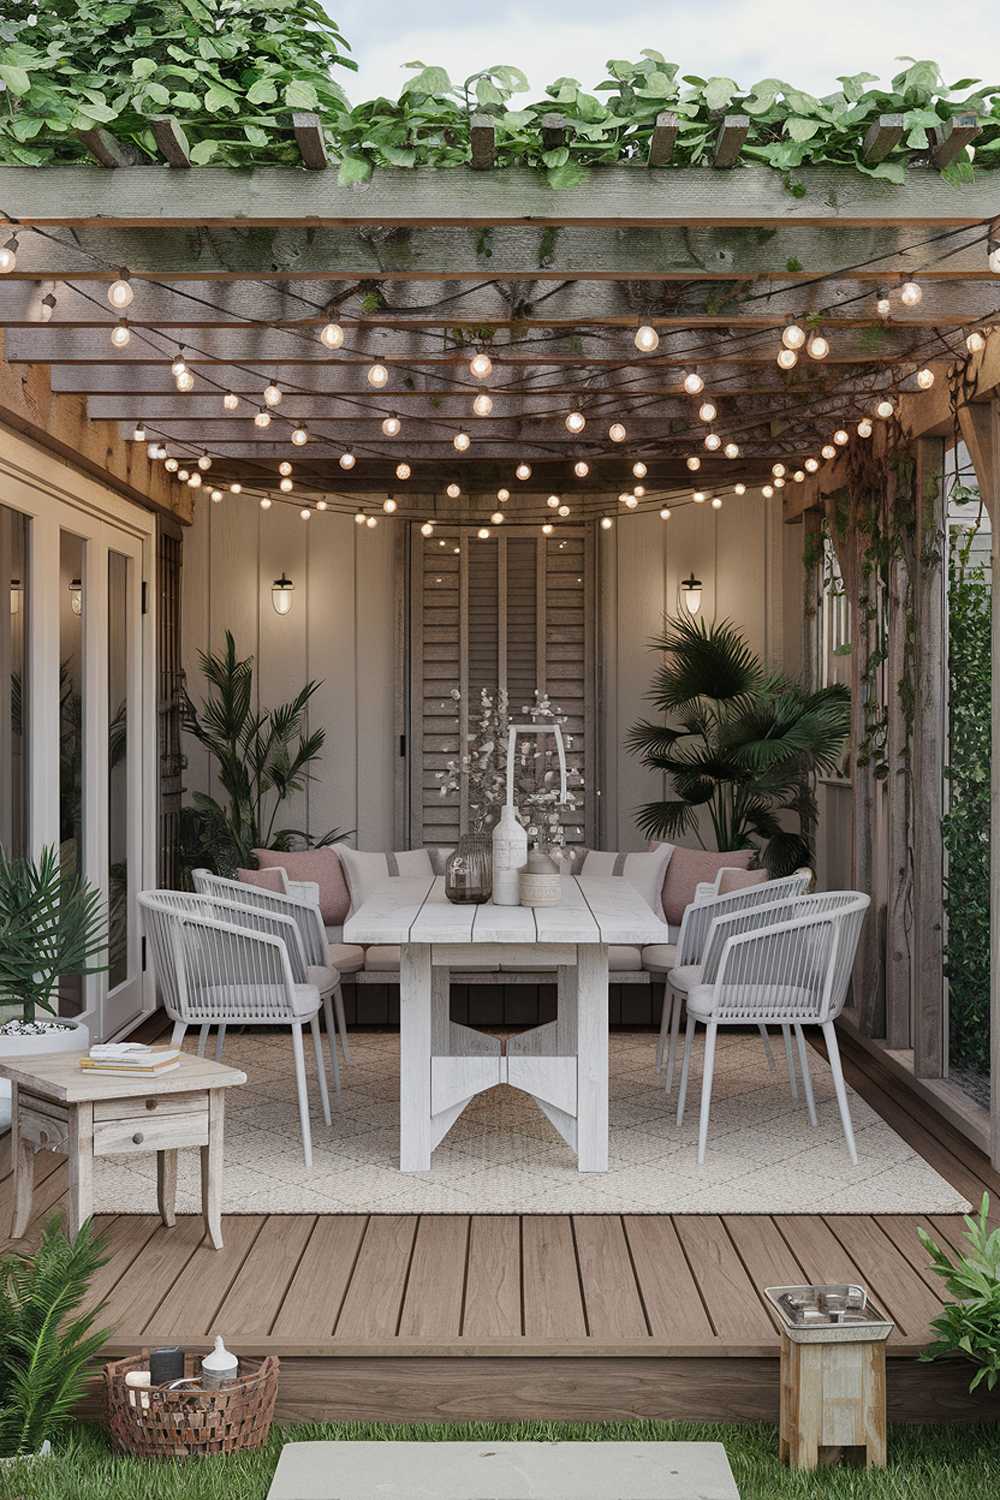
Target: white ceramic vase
pixel 510 855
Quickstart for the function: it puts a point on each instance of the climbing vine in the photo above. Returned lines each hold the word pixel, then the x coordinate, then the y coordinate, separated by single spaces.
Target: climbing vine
pixel 231 72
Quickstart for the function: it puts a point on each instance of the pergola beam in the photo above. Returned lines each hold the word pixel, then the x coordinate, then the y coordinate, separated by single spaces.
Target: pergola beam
pixel 881 138
pixel 308 130
pixel 171 142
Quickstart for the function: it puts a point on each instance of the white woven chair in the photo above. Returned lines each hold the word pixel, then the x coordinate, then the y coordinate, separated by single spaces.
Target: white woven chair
pixel 309 920
pixel 791 972
pixel 218 965
pixel 685 970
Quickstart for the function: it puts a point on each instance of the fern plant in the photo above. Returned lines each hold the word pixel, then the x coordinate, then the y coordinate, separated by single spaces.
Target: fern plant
pixel 970 1326
pixel 46 1342
pixel 52 924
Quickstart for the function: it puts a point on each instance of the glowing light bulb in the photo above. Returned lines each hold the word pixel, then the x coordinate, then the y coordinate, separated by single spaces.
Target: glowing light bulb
pixel 993 260
pixel 235 488
pixel 716 502
pixel 639 469
pixel 305 512
pixel 699 497
pixel 453 491
pixel 975 343
pixel 427 529
pixel 183 475
pixel 265 502
pixel 564 511
pixel 230 401
pixel 712 441
pixel 204 463
pixel 828 451
pixel 300 437
pixel 646 339
pixel 496 519
pixel 925 379
pixel 606 523
pixel 523 471
pixel 482 404
pixel 272 395
pixel 617 432
pixel 120 334
pixel 818 347
pixel 347 460
pixel 884 409
pixel 812 464
pixel 321 505
pixel 503 496
pixel 171 466
pixel 910 294
pixel 732 450
pixel 483 533
pixel 707 412
pixel 359 518
pixel 286 486
pixel 178 366
pixel 779 484
pixel 194 480
pixel 693 463
pixel 777 470
pixel 403 471
pixel 481 366
pixel 865 428
pixel 391 426
pixel 216 496
pixel 378 376
pixel 739 489
pixel 548 529
pixel 371 522
pixel 185 381
pixel 693 384
pixel 793 337
pixel 840 437
pixel 799 476
pixel 883 307
pixel 389 505
pixel 120 293
pixel 624 496
pixel 640 490
pixel 767 491
pixel 664 514
pixel 461 441
pixel 787 359
pixel 8 256
pixel 332 335
pixel 631 501
pixel 553 502
pixel 575 421
pixel 581 468
pixel 262 419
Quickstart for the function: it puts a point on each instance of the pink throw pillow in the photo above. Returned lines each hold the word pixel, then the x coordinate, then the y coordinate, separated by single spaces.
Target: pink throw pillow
pixel 320 865
pixel 267 880
pixel 738 880
pixel 688 868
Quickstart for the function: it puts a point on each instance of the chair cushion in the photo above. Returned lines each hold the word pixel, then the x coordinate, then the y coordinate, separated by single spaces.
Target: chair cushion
pixel 658 958
pixel 365 871
pixel 686 977
pixel 268 879
pixel 645 872
pixel 321 865
pixel 323 976
pixel 687 867
pixel 772 1003
pixel 738 880
pixel 243 1004
pixel 346 958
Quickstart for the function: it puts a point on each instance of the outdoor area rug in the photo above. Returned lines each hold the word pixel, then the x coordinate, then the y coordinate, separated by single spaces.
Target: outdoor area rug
pixel 503 1156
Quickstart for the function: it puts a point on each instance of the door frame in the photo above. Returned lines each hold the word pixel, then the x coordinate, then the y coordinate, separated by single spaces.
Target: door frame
pixel 55 498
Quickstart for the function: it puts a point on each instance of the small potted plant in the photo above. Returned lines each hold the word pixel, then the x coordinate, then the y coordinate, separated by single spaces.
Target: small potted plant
pixel 46 1343
pixel 52 924
pixel 970 1325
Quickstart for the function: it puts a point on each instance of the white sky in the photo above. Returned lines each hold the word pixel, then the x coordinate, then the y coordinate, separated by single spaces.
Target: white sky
pixel 801 41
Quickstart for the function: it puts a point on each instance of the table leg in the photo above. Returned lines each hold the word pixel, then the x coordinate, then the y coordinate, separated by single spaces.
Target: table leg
pixel 211 1167
pixel 81 1167
pixel 24 1171
pixel 415 1058
pixel 166 1186
pixel 592 1057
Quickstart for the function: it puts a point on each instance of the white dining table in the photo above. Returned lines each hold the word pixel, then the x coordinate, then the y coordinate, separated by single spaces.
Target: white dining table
pixel 563 1064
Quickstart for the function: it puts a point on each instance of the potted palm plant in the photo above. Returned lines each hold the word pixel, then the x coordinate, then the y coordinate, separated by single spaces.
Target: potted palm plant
pixel 742 745
pixel 52 925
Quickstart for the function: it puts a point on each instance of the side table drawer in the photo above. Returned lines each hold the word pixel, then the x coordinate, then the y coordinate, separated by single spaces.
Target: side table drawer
pixel 150 1104
pixel 150 1133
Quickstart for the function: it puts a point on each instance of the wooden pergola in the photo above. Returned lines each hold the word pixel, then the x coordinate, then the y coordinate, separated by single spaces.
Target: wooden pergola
pixel 238 273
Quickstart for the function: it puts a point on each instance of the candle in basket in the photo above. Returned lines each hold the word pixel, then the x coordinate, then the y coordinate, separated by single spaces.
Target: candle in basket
pixel 219 1367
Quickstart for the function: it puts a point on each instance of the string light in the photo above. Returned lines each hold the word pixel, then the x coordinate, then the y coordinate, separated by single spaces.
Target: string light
pixel 120 334
pixel 453 491
pixel 767 491
pixel 347 460
pixel 503 496
pixel 204 463
pixel 884 409
pixel 712 441
pixel 272 394
pixel 497 518
pixel 138 433
pixel 624 496
pixel 606 523
pixel 461 441
pixel 646 339
pixel 693 463
pixel 818 347
pixel 910 294
pixel 992 260
pixel 548 529
pixel 640 490
pixel 975 343
pixel 793 336
pixel 265 502
pixel 120 293
pixel 8 256
pixel 639 469
pixel 575 421
pixel 216 497
pixel 230 401
pixel 286 486
pixel 883 307
pixel 799 476
pixel 631 501
pixel 665 514
pixel 581 468
pixel 389 505
pixel 284 467
pixel 481 366
pixel 321 505
pixel 371 522
pixel 693 384
pixel 483 533
pixel 262 418
pixel 391 426
pixel 359 518
pixel 523 471
pixel 617 432
pixel 185 381
pixel 305 512
pixel 235 488
pixel 179 365
pixel 707 412
pixel 194 480
pixel 553 502
pixel 840 437
pixel 828 451
pixel 427 529
pixel 865 428
pixel 699 497
pixel 716 502
pixel 48 307
pixel 787 359
pixel 779 484
pixel 925 379
pixel 812 464
pixel 732 450
pixel 332 335
pixel 778 470
pixel 564 511
pixel 482 404
pixel 739 489
pixel 403 471
pixel 171 466
pixel 300 437
pixel 183 475
pixel 378 376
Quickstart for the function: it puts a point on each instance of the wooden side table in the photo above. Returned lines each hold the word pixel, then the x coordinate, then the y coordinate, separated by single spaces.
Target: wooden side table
pixel 58 1106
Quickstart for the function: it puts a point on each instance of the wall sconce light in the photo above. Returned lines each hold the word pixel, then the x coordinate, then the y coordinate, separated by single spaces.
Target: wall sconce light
pixel 76 596
pixel 691 594
pixel 16 593
pixel 281 595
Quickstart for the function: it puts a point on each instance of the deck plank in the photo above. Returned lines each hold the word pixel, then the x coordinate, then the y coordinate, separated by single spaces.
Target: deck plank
pixel 150 1277
pixel 190 1306
pixel 766 1256
pixel 610 1294
pixel 902 1231
pixel 252 1302
pixel 316 1292
pixel 734 1307
pixel 432 1302
pixel 124 1238
pixel 375 1296
pixel 493 1278
pixel 553 1303
pixel 670 1295
pixel 894 1284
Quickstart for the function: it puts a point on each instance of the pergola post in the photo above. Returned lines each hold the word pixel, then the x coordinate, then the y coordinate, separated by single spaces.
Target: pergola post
pixel 899 970
pixel 929 582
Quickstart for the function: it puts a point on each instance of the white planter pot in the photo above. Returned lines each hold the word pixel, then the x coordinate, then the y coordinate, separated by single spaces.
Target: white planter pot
pixel 45 1451
pixel 75 1039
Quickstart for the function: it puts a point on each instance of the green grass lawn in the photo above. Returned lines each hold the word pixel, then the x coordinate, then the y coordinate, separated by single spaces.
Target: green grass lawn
pixel 926 1463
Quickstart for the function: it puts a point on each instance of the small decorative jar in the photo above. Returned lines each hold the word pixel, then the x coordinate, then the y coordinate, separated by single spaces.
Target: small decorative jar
pixel 540 880
pixel 468 873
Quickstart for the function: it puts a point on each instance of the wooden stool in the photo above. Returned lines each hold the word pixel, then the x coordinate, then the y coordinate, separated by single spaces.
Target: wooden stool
pixel 58 1106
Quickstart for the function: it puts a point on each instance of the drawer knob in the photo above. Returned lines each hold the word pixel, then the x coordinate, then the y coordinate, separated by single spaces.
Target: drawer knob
pixel 138 1138
pixel 151 1103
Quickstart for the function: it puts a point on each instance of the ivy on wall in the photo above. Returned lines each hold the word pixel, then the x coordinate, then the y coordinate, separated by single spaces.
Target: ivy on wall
pixel 967 822
pixel 231 72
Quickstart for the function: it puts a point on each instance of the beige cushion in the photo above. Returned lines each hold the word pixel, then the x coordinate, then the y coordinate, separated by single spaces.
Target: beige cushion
pixel 366 872
pixel 688 867
pixel 322 976
pixel 348 958
pixel 658 958
pixel 686 977
pixel 646 872
pixel 773 1003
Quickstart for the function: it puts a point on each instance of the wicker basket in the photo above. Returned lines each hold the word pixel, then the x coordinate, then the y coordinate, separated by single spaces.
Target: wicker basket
pixel 160 1423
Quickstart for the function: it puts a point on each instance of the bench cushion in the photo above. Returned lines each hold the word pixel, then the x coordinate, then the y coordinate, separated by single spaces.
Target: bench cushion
pixel 659 958
pixel 348 958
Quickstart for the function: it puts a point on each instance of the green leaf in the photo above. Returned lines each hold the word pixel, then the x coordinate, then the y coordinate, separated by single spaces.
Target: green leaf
pixel 263 91
pixel 354 169
pixel 719 92
pixel 399 156
pixel 570 175
pixel 801 130
pixel 255 135
pixel 427 81
pixel 300 94
pixel 16 79
pixel 143 67
pixel 203 152
pixel 157 93
pixel 218 98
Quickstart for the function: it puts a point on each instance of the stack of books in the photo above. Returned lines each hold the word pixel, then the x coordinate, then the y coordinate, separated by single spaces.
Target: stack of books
pixel 130 1058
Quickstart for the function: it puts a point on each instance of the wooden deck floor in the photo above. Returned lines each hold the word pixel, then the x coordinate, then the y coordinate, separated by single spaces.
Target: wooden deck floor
pixel 415 1317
